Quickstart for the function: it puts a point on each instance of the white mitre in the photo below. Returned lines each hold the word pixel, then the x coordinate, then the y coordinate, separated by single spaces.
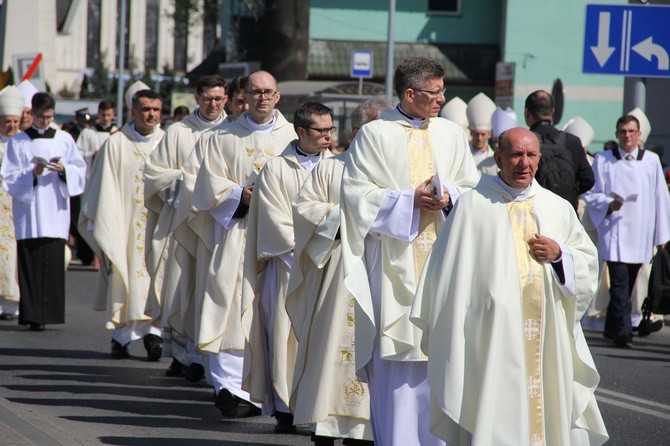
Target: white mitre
pixel 581 129
pixel 454 110
pixel 502 120
pixel 134 88
pixel 11 101
pixel 645 125
pixel 479 111
pixel 28 90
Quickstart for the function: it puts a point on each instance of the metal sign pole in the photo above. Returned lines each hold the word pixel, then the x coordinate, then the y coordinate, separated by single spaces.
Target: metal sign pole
pixel 390 49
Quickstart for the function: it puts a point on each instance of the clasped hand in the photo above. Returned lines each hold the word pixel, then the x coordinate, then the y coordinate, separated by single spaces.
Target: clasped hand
pixel 425 198
pixel 544 249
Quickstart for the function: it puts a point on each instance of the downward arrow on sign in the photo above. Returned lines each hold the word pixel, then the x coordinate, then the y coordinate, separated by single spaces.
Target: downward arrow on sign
pixel 603 51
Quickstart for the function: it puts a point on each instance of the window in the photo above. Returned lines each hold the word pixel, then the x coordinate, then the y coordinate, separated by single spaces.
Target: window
pixel 151 46
pixel 93 33
pixel 180 50
pixel 444 7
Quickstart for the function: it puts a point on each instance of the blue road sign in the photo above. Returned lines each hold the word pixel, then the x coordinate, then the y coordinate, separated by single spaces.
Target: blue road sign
pixel 627 40
pixel 361 63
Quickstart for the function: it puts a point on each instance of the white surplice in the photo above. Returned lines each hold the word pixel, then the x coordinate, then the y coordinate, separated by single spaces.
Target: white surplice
pixel 113 223
pixel 469 305
pixel 381 243
pixel 42 211
pixel 9 286
pixel 629 234
pixel 90 140
pixel 270 349
pixel 484 160
pixel 325 392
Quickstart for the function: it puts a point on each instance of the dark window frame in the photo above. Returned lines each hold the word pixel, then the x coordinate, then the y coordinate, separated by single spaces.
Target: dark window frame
pixel 443 7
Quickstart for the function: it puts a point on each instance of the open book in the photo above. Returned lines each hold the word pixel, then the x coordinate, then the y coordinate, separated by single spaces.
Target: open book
pixel 43 161
pixel 631 198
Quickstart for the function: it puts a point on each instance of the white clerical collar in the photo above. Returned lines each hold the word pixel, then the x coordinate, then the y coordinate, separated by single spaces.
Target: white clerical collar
pixel 306 160
pixel 4 138
pixel 199 116
pixel 415 122
pixel 517 193
pixel 260 128
pixel 624 154
pixel 140 137
pixel 39 130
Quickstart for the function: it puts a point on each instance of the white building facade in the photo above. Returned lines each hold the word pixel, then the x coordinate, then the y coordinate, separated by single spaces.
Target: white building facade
pixel 72 34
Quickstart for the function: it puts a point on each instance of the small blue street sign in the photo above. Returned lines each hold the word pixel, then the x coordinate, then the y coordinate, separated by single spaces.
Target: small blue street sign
pixel 627 40
pixel 361 63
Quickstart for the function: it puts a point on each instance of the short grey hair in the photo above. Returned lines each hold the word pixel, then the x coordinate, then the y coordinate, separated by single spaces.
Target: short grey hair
pixel 415 72
pixel 369 110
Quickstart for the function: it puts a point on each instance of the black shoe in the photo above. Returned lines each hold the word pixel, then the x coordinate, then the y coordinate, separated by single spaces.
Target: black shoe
pixel 7 317
pixel 319 440
pixel 355 442
pixel 194 373
pixel 176 369
pixel 623 340
pixel 118 350
pixel 154 346
pixel 34 326
pixel 245 410
pixel 648 327
pixel 284 423
pixel 225 402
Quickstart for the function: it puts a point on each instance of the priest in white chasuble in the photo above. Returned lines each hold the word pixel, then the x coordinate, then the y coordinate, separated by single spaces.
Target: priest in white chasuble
pixel 499 306
pixel 270 353
pixel 41 170
pixel 11 108
pixel 113 222
pixel 163 187
pixel 221 175
pixel 325 391
pixel 401 175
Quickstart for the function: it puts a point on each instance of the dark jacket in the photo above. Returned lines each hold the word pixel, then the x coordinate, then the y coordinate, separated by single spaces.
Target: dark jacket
pixel 583 172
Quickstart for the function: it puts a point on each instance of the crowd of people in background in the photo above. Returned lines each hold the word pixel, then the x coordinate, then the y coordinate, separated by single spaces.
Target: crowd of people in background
pixel 422 285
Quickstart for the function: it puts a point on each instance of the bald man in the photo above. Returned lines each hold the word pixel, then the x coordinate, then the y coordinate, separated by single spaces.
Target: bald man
pixel 507 359
pixel 230 158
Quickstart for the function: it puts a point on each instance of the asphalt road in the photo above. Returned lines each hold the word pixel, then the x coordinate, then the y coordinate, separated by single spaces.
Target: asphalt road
pixel 60 387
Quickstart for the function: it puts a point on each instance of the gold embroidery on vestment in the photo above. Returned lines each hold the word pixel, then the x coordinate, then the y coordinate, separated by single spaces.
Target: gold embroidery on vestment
pixel 420 156
pixel 524 228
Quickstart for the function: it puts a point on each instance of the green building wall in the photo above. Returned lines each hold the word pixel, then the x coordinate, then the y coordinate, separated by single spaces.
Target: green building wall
pixel 545 39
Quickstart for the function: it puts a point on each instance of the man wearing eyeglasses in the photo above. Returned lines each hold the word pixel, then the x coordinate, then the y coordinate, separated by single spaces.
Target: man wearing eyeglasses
pixel 221 174
pixel 630 206
pixel 325 392
pixel 41 171
pixel 402 175
pixel 270 356
pixel 171 281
